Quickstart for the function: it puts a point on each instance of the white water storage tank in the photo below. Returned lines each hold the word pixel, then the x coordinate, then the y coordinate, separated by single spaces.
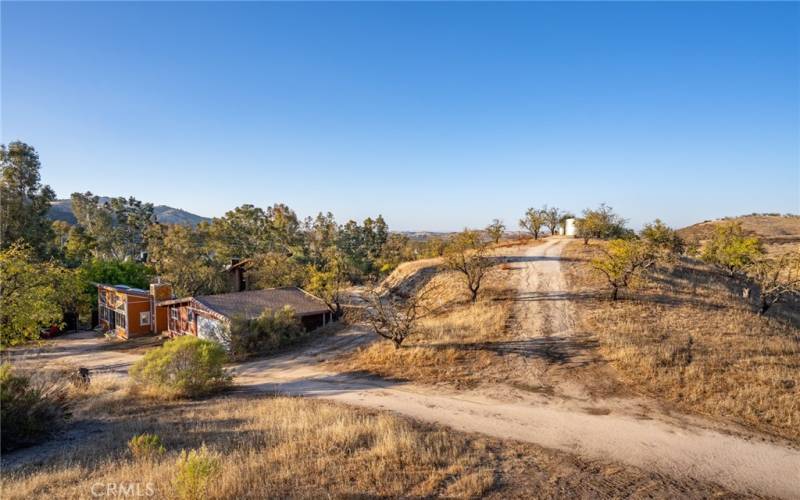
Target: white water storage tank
pixel 569 228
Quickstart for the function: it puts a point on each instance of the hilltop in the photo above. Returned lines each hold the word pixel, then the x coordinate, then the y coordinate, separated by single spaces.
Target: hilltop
pixel 778 232
pixel 62 210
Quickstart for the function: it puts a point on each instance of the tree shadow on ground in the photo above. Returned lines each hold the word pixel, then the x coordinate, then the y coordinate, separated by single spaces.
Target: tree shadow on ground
pixel 555 349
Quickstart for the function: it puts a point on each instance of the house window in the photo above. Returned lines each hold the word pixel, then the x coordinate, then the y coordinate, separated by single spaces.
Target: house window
pixel 191 315
pixel 144 318
pixel 119 319
pixel 173 313
pixel 103 313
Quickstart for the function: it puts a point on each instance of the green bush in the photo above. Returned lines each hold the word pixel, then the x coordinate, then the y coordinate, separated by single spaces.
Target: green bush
pixel 183 367
pixel 271 330
pixel 146 446
pixel 195 469
pixel 30 410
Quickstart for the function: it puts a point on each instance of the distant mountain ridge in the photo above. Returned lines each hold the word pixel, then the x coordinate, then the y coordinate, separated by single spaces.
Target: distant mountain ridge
pixel 62 210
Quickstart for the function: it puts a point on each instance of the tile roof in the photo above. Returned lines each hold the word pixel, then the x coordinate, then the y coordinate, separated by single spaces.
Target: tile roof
pixel 251 304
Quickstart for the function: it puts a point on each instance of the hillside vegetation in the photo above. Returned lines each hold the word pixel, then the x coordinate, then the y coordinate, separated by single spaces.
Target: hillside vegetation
pixel 62 210
pixel 685 334
pixel 779 233
pixel 452 345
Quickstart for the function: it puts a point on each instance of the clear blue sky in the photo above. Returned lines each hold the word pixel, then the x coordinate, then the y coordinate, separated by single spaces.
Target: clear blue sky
pixel 438 116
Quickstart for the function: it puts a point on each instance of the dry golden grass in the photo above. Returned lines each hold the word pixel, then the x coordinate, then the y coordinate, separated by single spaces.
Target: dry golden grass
pixel 686 336
pixel 446 348
pixel 281 447
pixel 780 233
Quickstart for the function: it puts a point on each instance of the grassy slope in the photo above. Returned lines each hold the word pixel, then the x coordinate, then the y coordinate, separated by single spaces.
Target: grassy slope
pixel 779 232
pixel 688 337
pixel 293 447
pixel 448 349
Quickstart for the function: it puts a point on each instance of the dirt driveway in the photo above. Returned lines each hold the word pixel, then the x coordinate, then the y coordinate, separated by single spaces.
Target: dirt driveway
pixel 570 414
pixel 574 412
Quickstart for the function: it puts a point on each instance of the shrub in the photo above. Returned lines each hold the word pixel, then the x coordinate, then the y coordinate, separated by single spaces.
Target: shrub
pixel 146 446
pixel 622 262
pixel 730 249
pixel 271 330
pixel 195 469
pixel 183 367
pixel 663 238
pixel 30 410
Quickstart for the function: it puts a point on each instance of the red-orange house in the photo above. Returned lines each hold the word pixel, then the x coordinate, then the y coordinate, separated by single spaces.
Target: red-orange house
pixel 131 312
pixel 209 316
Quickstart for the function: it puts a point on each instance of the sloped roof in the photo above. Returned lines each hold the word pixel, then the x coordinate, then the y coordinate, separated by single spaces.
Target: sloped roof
pixel 125 289
pixel 251 304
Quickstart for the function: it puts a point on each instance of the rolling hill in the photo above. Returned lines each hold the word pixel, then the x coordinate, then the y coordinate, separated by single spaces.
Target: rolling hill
pixel 778 232
pixel 62 210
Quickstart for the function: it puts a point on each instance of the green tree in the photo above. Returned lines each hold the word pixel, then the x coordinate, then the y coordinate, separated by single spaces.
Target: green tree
pixel 116 228
pixel 466 254
pixel 24 201
pixel 276 269
pixel 552 218
pixel 112 272
pixel 601 223
pixel 363 245
pixel 60 237
pixel 398 248
pixel 79 247
pixel 730 249
pixel 248 231
pixel 329 281
pixel 434 247
pixel 778 279
pixel 321 234
pixel 97 222
pixel 495 230
pixel 533 221
pixel 285 230
pixel 663 238
pixel 30 298
pixel 623 261
pixel 182 256
pixel 132 218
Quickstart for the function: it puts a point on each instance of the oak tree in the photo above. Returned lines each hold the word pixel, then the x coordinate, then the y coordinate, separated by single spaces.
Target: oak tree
pixel 533 221
pixel 466 254
pixel 495 230
pixel 622 261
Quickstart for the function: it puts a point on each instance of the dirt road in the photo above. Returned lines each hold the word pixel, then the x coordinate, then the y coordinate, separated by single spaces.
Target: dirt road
pixel 568 418
pixel 571 413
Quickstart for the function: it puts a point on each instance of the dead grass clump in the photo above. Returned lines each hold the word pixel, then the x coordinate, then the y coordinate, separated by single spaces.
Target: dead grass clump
pixel 281 447
pixel 686 336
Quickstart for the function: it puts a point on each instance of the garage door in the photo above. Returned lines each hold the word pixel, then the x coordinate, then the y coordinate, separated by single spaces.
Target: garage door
pixel 211 329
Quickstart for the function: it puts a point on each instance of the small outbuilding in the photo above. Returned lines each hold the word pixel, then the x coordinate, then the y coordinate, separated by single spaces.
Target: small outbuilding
pixel 567 227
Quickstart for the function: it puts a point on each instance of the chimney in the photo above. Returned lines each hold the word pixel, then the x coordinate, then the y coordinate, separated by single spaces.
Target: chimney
pixel 161 291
